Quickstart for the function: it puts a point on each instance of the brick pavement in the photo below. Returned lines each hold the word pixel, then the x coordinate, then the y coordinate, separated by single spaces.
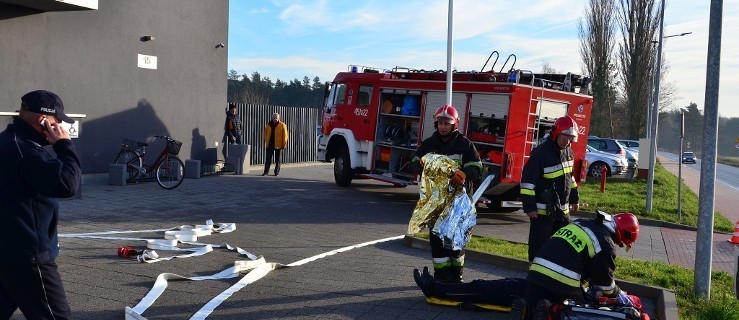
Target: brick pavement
pixel 681 243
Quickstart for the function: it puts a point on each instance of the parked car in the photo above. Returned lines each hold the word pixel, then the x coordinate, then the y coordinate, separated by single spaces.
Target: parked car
pixel 597 160
pixel 689 157
pixel 632 151
pixel 606 145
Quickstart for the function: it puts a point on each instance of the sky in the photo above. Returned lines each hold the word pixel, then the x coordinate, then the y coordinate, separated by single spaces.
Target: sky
pixel 290 39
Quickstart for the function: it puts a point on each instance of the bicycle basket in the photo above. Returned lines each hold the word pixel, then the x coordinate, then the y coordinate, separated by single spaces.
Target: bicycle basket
pixel 173 147
pixel 132 145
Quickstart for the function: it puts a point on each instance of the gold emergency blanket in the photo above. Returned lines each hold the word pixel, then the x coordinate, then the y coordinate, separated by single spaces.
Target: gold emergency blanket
pixel 436 192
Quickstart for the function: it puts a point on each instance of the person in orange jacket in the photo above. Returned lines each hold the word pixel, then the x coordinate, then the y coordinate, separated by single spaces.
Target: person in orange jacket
pixel 275 140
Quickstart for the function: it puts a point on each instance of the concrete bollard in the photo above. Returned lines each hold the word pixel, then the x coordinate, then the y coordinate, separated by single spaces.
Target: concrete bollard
pixel 192 169
pixel 117 174
pixel 241 154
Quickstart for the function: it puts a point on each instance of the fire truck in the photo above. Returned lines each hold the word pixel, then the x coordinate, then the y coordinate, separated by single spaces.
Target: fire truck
pixel 374 119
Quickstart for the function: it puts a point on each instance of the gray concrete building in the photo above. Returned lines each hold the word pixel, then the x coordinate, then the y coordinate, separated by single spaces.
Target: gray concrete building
pixel 135 68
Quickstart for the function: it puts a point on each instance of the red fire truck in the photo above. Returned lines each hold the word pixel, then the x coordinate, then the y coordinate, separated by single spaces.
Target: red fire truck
pixel 374 119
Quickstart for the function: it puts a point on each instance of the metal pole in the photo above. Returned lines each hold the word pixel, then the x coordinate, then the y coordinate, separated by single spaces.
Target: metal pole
pixel 449 47
pixel 655 113
pixel 649 100
pixel 680 169
pixel 704 240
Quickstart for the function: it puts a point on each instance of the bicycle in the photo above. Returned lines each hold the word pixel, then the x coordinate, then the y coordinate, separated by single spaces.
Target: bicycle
pixel 170 171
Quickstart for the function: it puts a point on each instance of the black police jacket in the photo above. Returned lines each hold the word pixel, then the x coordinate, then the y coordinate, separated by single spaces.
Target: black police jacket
pixel 547 175
pixel 30 179
pixel 458 148
pixel 581 251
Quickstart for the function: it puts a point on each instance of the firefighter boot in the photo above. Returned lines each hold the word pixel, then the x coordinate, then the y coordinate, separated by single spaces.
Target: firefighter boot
pixel 518 309
pixel 424 281
pixel 542 310
pixel 441 274
pixel 455 274
pixel 455 269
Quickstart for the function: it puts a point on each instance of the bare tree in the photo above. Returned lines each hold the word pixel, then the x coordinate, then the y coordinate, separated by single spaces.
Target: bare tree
pixel 638 22
pixel 546 68
pixel 597 39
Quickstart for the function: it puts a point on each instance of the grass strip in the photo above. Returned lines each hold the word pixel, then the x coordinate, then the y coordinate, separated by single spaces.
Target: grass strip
pixel 626 195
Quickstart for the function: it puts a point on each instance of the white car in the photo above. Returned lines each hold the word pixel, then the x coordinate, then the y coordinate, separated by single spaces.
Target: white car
pixel 632 152
pixel 614 164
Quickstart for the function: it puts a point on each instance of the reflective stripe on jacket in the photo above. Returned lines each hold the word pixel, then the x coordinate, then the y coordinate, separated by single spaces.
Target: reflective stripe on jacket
pixel 549 167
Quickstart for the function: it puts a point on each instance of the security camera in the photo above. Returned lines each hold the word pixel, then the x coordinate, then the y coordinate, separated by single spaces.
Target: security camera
pixel 220 45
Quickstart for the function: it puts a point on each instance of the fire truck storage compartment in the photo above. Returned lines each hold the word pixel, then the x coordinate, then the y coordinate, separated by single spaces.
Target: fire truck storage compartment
pixel 488 121
pixel 398 127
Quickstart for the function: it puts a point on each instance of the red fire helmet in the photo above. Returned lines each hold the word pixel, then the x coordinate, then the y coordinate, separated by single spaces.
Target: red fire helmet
pixel 447 114
pixel 627 229
pixel 565 125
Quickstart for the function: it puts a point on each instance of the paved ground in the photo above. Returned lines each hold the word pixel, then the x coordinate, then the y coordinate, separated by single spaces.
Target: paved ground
pixel 299 214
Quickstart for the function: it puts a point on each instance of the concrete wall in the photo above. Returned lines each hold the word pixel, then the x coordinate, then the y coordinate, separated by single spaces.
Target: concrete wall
pixel 89 58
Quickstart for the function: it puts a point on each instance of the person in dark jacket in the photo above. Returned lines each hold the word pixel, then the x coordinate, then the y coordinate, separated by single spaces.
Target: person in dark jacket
pixel 548 188
pixel 232 127
pixel 581 252
pixel 30 179
pixel 446 140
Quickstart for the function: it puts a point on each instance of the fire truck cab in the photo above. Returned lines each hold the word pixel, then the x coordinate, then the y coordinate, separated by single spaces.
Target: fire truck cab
pixel 374 119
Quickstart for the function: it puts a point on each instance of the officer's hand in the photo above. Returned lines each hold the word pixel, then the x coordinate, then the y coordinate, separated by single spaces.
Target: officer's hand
pixel 532 214
pixel 574 208
pixel 55 133
pixel 458 178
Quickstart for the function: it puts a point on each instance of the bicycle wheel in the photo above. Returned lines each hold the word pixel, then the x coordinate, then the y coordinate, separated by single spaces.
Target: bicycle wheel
pixel 170 172
pixel 133 163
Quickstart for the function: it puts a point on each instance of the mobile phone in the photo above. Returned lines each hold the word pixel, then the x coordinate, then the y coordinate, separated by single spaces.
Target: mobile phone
pixel 42 123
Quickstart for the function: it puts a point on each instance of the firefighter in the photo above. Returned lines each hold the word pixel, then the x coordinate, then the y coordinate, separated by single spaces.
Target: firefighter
pixel 548 188
pixel 581 252
pixel 446 140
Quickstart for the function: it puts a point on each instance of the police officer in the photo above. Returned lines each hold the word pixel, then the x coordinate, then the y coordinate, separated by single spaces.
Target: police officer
pixel 548 188
pixel 446 140
pixel 30 178
pixel 583 251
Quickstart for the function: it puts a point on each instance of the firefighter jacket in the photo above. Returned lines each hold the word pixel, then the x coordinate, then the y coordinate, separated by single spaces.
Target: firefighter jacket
pixel 280 141
pixel 30 179
pixel 547 176
pixel 581 251
pixel 458 148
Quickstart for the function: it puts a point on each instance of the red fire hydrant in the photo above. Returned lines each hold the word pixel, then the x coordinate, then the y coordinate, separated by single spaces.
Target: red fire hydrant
pixel 603 174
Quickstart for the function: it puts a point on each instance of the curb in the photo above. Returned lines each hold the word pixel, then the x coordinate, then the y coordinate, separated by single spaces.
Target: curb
pixel 649 222
pixel 666 302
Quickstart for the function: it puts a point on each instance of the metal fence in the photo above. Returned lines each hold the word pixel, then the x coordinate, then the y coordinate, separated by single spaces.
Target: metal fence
pixel 301 124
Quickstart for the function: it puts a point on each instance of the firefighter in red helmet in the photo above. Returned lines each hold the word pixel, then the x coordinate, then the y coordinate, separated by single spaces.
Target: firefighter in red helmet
pixel 548 188
pixel 446 140
pixel 582 252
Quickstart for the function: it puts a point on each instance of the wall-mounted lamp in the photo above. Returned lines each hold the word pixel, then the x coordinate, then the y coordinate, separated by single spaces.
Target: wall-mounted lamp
pixel 220 45
pixel 146 38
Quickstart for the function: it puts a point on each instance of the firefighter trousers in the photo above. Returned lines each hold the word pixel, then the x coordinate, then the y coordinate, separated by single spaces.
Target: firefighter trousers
pixel 448 264
pixel 541 229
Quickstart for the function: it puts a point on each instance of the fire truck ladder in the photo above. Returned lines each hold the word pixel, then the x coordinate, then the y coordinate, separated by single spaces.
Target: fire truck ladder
pixel 530 144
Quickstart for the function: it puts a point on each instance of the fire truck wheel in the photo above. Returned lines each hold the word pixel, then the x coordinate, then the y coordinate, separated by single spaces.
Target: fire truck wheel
pixel 343 172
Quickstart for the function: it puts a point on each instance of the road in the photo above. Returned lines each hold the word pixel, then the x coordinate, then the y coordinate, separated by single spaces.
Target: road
pixel 727 175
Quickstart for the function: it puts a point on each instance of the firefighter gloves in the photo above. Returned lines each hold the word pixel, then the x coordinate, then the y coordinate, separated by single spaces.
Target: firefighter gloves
pixel 458 178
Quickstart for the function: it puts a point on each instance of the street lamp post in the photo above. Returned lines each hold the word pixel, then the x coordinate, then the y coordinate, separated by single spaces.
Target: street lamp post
pixel 654 116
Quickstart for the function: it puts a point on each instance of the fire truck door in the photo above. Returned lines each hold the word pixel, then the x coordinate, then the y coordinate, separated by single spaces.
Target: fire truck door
pixel 335 114
pixel 361 115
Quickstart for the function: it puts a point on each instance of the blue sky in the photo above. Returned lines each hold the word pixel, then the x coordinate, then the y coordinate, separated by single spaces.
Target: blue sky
pixel 288 39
